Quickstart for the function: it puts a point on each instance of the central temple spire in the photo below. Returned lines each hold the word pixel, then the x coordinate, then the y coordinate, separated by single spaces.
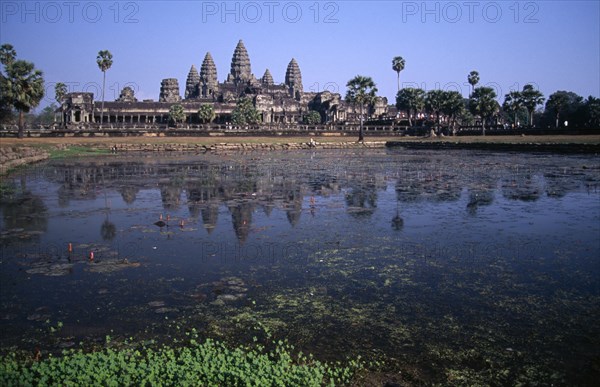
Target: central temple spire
pixel 240 65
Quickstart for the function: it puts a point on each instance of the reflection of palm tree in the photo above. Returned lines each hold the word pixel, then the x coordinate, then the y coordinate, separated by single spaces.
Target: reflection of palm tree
pixel 397 221
pixel 108 230
pixel 24 210
pixel 479 197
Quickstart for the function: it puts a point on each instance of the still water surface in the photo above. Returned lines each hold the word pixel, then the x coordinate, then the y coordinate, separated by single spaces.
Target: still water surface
pixel 447 265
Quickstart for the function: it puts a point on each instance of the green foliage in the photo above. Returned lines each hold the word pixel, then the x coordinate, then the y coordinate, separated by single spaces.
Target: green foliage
pixel 434 102
pixel 483 103
pixel 21 85
pixel 531 98
pixel 411 100
pixel 565 105
pixel 245 113
pixel 76 151
pixel 60 90
pixel 312 118
pixel 104 61
pixel 362 91
pixel 176 113
pixel 398 64
pixel 513 104
pixel 208 364
pixel 46 116
pixel 206 113
pixel 473 79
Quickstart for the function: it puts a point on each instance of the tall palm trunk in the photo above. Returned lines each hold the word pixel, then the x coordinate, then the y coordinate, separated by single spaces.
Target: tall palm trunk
pixel 361 135
pixel 557 115
pixel 102 108
pixel 21 132
pixel 482 126
pixel 530 117
pixel 398 72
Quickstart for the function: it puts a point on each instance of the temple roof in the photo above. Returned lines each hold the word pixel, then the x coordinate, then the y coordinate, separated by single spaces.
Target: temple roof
pixel 191 84
pixel 293 77
pixel 240 63
pixel 267 78
pixel 208 71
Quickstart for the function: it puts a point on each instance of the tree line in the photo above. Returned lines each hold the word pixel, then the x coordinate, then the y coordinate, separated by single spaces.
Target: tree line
pixel 561 109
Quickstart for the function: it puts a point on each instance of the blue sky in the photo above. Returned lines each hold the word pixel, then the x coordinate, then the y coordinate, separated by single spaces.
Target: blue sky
pixel 553 44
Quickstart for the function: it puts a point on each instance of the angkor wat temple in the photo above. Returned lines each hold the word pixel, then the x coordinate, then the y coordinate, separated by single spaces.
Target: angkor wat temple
pixel 284 103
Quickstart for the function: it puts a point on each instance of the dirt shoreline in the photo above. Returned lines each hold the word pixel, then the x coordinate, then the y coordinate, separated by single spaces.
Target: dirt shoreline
pixel 91 141
pixel 17 152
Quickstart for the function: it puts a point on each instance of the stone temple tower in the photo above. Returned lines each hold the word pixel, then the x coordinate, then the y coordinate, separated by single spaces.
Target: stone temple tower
pixel 169 91
pixel 191 84
pixel 293 80
pixel 208 77
pixel 267 78
pixel 241 71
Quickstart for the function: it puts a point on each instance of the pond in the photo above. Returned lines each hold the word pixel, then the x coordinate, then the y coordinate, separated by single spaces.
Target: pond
pixel 445 265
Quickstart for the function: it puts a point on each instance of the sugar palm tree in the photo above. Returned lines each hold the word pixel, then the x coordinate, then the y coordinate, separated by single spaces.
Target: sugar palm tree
pixel 60 90
pixel 531 98
pixel 434 103
pixel 513 104
pixel 177 114
pixel 453 106
pixel 7 54
pixel 23 88
pixel 362 91
pixel 206 113
pixel 473 79
pixel 411 100
pixel 104 61
pixel 398 65
pixel 483 103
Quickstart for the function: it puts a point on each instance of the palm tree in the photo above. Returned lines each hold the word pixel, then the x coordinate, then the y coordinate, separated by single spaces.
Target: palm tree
pixel 434 103
pixel 398 65
pixel 23 88
pixel 7 57
pixel 558 102
pixel 473 79
pixel 206 113
pixel 362 91
pixel 7 54
pixel 60 90
pixel 176 113
pixel 410 99
pixel 513 104
pixel 453 106
pixel 104 61
pixel 530 98
pixel 483 103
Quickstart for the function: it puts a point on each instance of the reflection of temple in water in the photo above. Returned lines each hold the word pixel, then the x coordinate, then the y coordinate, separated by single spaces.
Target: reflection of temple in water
pixel 241 186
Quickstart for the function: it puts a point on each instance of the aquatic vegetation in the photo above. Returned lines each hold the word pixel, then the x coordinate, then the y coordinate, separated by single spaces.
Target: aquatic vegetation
pixel 207 363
